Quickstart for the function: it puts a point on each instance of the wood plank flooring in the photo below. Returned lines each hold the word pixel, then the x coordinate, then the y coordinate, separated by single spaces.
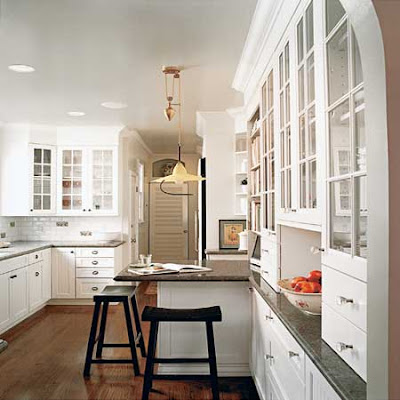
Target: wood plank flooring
pixel 45 358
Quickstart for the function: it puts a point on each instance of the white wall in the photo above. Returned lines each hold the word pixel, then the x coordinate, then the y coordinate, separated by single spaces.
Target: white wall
pixel 217 130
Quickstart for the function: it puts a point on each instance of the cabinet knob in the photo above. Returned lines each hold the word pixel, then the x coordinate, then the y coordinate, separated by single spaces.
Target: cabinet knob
pixel 37 273
pixel 343 346
pixel 37 256
pixel 95 262
pixel 31 209
pixel 340 301
pixel 95 272
pixel 95 288
pixel 84 209
pixel 268 318
pixel 268 357
pixel 251 289
pixel 72 252
pixel 293 354
pixel 90 209
pixel 95 252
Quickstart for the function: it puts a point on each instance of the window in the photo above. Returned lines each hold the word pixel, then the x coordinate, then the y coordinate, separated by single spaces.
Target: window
pixel 285 129
pixel 347 174
pixel 306 110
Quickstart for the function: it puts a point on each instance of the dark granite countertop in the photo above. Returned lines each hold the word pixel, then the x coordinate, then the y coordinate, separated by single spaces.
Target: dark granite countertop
pixel 306 329
pixel 21 248
pixel 225 251
pixel 222 270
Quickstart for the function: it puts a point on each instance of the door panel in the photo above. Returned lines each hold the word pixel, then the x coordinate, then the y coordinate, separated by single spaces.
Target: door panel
pixel 18 293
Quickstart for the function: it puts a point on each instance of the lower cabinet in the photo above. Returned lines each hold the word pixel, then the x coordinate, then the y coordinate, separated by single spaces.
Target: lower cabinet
pixel 280 368
pixel 63 273
pixel 18 293
pixel 5 315
pixel 35 283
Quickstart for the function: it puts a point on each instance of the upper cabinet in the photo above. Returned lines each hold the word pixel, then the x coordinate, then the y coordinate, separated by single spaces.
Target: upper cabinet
pixel 88 183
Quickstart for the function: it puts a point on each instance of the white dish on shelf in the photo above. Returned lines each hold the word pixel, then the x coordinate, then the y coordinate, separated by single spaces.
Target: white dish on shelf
pixel 310 303
pixel 4 245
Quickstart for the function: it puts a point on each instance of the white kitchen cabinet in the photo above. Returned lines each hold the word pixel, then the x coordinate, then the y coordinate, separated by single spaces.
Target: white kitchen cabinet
pixel 18 293
pixel 63 273
pixel 42 180
pixel 35 285
pixel 5 315
pixel 87 180
pixel 317 388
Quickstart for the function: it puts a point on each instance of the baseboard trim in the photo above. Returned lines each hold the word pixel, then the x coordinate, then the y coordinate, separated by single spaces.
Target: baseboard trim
pixel 225 370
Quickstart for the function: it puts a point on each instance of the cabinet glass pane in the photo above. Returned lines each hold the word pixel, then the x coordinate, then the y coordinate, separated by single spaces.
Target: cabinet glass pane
pixel 361 216
pixel 283 189
pixel 47 170
pixel 312 147
pixel 77 157
pixel 338 68
pixel 97 171
pixel 313 184
pixel 77 171
pixel 281 71
pixel 310 27
pixel 264 100
pixel 360 144
pixel 37 170
pixel 46 186
pixel 303 185
pixel 300 41
pixel 301 88
pixel 107 172
pixel 340 140
pixel 97 157
pixel 46 203
pixel 76 202
pixel 97 202
pixel 340 215
pixel 272 211
pixel 287 63
pixel 289 189
pixel 77 187
pixel 37 202
pixel 287 103
pixel 67 187
pixel 310 79
pixel 270 91
pixel 67 172
pixel 334 13
pixel 357 67
pixel 283 150
pixel 271 131
pixel 66 202
pixel 47 156
pixel 37 156
pixel 108 186
pixel 288 146
pixel 282 110
pixel 107 202
pixel 97 187
pixel 302 133
pixel 67 156
pixel 37 186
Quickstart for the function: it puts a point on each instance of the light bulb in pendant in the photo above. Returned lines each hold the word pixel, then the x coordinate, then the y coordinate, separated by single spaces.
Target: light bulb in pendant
pixel 169 112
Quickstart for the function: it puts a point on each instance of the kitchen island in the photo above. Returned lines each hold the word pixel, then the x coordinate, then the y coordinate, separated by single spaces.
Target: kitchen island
pixel 233 285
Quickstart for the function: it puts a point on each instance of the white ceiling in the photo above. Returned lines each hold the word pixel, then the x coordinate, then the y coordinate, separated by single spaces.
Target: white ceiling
pixel 89 51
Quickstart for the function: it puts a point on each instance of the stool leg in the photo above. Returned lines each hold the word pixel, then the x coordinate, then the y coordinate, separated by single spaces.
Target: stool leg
pixel 213 360
pixel 138 326
pixel 102 332
pixel 92 339
pixel 131 337
pixel 151 352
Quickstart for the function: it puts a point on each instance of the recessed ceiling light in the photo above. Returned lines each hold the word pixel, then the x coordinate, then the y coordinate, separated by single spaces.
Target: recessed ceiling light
pixel 76 113
pixel 114 105
pixel 21 68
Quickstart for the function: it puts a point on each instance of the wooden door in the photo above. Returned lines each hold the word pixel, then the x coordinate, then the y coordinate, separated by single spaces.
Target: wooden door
pixel 63 273
pixel 18 294
pixel 168 223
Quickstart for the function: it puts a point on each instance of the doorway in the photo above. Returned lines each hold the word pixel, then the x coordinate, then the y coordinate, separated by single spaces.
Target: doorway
pixel 169 235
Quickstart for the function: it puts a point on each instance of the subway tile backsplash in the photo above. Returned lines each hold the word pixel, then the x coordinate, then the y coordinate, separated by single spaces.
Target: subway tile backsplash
pixel 57 228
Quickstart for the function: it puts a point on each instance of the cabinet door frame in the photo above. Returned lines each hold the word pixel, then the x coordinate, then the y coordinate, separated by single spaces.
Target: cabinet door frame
pixel 53 183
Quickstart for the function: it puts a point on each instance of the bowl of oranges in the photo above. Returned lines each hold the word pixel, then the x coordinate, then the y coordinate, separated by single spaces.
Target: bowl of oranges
pixel 304 292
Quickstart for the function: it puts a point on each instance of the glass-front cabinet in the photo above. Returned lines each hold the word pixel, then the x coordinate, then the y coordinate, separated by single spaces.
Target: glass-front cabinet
pixel 43 179
pixel 347 213
pixel 88 183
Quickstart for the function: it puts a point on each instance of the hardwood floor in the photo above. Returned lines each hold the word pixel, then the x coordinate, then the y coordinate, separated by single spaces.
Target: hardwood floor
pixel 45 358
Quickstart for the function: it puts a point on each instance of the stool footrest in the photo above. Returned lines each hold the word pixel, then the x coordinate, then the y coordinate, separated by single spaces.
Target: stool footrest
pixel 116 361
pixel 181 377
pixel 180 360
pixel 116 345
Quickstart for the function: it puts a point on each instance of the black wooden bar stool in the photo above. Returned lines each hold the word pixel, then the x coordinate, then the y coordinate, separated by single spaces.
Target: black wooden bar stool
pixel 155 316
pixel 110 294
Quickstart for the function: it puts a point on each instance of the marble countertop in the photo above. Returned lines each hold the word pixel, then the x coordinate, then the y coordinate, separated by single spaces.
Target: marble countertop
pixel 306 329
pixel 21 248
pixel 222 270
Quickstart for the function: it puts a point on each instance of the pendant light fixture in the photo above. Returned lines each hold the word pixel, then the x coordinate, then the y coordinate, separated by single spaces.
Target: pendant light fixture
pixel 179 174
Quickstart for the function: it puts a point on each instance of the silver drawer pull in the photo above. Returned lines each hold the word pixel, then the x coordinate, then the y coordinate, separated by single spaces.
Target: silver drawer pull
pixel 268 357
pixel 343 346
pixel 95 252
pixel 95 288
pixel 268 318
pixel 293 354
pixel 95 272
pixel 340 300
pixel 95 262
pixel 37 274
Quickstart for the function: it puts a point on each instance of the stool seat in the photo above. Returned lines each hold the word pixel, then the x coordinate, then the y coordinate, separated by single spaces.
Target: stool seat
pixel 116 291
pixel 208 314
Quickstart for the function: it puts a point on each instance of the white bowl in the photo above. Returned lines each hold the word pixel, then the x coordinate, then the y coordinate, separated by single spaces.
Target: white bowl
pixel 309 303
pixel 4 245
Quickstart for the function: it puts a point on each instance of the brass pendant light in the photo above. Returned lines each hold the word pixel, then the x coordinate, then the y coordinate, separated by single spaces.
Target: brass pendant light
pixel 179 174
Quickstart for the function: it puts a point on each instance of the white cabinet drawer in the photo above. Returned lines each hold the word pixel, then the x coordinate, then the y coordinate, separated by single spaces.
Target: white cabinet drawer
pixel 291 350
pixel 95 262
pixel 346 339
pixel 87 288
pixel 13 263
pixel 95 273
pixel 346 295
pixel 35 257
pixel 98 252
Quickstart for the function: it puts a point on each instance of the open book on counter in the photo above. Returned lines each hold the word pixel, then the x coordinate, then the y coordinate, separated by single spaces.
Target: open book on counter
pixel 168 268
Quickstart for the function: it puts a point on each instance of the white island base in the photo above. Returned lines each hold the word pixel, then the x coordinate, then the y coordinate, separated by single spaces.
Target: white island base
pixel 188 339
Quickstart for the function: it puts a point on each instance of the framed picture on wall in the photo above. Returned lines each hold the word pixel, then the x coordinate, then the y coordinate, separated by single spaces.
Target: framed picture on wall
pixel 229 230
